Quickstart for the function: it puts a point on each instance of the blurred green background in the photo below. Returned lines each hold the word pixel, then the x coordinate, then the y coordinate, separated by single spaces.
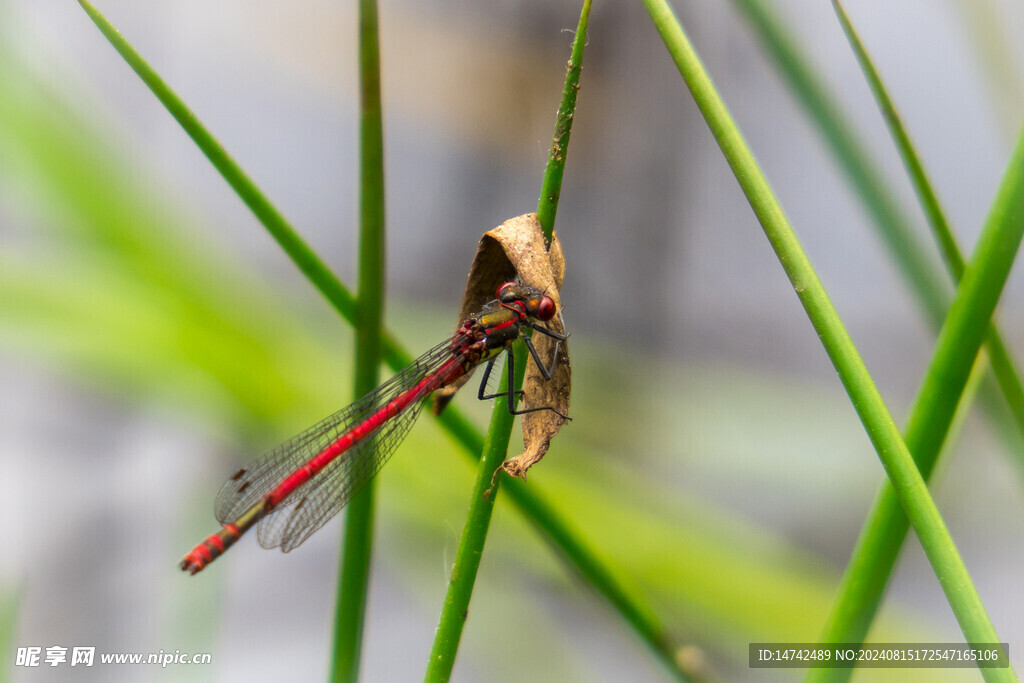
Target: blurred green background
pixel 153 337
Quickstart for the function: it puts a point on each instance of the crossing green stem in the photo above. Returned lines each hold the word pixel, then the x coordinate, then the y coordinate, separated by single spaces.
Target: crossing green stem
pixel 357 546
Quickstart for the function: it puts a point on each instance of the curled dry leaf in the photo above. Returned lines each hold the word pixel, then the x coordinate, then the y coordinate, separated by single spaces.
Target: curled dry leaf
pixel 517 248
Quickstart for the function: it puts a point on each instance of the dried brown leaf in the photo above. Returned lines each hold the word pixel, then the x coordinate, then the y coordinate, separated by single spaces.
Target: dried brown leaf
pixel 517 248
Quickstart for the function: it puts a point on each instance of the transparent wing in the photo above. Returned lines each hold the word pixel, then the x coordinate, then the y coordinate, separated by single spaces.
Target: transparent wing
pixel 310 506
pixel 321 498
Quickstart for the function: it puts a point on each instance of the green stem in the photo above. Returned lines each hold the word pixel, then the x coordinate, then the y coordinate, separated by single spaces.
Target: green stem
pixel 354 577
pixel 918 271
pixel 474 533
pixel 883 207
pixel 276 224
pixel 551 186
pixel 456 606
pixel 1002 364
pixel 907 482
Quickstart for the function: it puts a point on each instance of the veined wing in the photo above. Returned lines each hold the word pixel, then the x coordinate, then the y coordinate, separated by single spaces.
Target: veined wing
pixel 310 506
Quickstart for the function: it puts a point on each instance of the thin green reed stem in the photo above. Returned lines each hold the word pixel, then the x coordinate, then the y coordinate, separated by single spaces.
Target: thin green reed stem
pixel 455 610
pixel 275 223
pixel 883 207
pixel 640 618
pixel 915 169
pixel 910 487
pixel 874 556
pixel 1002 364
pixel 920 274
pixel 357 547
pixel 563 540
pixel 551 186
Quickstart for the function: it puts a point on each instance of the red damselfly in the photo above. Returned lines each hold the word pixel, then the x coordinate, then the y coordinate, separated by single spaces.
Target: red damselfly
pixel 297 487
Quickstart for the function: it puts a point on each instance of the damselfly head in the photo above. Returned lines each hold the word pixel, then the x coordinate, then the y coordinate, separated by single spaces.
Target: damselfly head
pixel 532 301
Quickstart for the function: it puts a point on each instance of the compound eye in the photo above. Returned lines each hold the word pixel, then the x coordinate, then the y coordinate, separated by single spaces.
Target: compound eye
pixel 546 308
pixel 504 288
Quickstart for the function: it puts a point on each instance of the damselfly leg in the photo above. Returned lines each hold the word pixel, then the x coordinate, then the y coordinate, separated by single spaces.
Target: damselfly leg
pixel 510 392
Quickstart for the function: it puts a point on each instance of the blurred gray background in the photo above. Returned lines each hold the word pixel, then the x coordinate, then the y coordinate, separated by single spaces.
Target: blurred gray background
pixel 671 289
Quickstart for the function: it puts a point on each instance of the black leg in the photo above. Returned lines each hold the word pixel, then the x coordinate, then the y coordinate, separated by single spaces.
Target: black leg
pixel 483 395
pixel 509 391
pixel 483 382
pixel 557 336
pixel 549 332
pixel 545 372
